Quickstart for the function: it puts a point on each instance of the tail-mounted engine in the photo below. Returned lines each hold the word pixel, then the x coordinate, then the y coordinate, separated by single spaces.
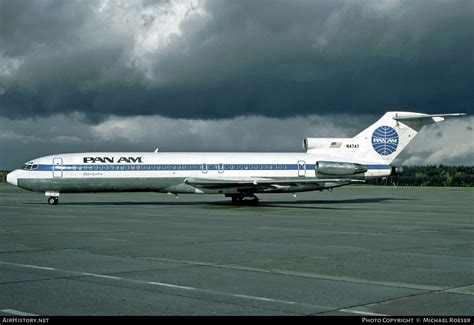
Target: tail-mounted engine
pixel 339 168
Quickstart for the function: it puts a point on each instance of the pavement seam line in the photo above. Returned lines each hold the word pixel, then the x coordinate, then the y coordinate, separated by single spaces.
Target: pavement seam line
pixel 235 266
pixel 167 285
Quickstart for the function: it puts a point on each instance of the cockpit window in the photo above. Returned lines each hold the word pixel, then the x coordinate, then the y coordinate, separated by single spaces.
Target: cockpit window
pixel 30 166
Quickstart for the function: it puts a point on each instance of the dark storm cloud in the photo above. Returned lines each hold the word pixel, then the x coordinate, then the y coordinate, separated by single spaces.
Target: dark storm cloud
pixel 219 59
pixel 26 24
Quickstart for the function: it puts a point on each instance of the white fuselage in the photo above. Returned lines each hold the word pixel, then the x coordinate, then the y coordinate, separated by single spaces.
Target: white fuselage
pixel 165 172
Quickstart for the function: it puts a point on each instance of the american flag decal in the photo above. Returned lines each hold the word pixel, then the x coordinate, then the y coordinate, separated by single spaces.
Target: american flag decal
pixel 335 145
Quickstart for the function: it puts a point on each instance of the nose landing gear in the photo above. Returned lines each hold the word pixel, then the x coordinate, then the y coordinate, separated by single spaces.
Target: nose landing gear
pixel 53 197
pixel 53 200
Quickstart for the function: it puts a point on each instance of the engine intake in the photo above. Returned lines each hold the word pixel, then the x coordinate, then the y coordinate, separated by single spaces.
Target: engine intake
pixel 339 168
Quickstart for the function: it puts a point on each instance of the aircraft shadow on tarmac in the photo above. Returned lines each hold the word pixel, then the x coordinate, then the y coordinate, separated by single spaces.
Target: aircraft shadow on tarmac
pixel 316 204
pixel 308 204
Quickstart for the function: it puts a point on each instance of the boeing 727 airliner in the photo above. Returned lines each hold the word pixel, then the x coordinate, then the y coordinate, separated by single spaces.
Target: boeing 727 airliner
pixel 327 163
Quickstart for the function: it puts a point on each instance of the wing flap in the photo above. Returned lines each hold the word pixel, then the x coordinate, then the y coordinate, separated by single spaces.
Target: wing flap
pixel 252 183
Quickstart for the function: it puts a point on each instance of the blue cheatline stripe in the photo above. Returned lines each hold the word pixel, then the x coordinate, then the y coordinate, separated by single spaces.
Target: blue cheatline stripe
pixel 186 167
pixel 379 166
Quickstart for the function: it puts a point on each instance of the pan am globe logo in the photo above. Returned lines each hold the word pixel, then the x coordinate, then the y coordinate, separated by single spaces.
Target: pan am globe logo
pixel 385 140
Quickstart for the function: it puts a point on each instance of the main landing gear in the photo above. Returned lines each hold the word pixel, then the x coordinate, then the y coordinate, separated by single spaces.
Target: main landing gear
pixel 240 199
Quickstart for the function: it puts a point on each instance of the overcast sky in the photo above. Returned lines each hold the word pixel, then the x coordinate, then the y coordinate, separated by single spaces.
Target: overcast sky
pixel 230 75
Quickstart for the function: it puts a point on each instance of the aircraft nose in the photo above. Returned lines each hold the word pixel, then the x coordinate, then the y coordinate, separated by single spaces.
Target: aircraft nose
pixel 12 178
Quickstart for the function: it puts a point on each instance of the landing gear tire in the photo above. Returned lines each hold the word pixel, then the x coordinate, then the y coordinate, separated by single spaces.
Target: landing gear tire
pixel 53 200
pixel 240 200
pixel 237 199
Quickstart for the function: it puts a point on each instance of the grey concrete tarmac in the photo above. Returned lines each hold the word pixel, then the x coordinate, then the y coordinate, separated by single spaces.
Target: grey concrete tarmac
pixel 359 250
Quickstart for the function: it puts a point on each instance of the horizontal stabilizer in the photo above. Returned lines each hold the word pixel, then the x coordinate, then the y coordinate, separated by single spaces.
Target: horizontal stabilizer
pixel 417 118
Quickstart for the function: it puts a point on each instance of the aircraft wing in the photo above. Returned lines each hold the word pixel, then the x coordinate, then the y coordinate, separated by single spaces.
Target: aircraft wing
pixel 252 183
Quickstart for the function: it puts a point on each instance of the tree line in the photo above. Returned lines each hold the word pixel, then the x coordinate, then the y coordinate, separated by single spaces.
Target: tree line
pixel 431 175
